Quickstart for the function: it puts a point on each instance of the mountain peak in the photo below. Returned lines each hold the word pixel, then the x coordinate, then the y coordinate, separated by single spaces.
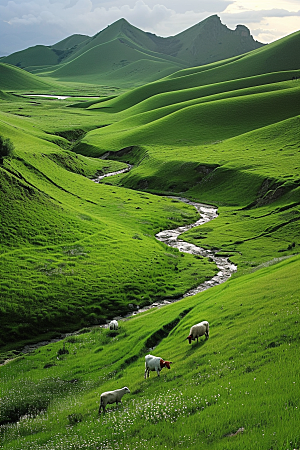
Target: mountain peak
pixel 121 21
pixel 122 44
pixel 242 30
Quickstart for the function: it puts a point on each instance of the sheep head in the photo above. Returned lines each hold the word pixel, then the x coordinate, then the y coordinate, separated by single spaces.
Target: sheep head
pixel 165 363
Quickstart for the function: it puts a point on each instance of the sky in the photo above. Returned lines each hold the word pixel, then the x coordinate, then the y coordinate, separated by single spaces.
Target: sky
pixel 25 23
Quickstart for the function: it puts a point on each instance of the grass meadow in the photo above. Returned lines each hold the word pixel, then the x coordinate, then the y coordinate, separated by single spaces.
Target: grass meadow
pixel 75 253
pixel 244 377
pixel 79 245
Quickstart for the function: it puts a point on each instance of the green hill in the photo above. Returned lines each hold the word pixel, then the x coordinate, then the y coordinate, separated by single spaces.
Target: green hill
pixel 75 253
pixel 89 66
pixel 121 44
pixel 278 61
pixel 186 108
pixel 14 79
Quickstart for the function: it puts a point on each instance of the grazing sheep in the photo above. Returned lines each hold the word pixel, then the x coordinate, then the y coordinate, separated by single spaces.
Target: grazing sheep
pixel 198 330
pixel 155 363
pixel 112 397
pixel 113 325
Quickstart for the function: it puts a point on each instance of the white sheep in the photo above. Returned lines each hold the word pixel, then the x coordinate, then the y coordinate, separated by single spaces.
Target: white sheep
pixel 155 363
pixel 200 329
pixel 113 325
pixel 112 397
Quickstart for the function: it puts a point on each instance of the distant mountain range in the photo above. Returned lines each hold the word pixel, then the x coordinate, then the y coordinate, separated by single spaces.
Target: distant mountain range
pixel 124 53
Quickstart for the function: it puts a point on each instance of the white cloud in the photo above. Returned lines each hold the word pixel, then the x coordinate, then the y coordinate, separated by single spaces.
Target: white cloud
pixel 265 25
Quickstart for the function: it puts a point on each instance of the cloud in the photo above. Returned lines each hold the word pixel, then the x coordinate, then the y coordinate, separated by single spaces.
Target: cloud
pixel 258 15
pixel 266 25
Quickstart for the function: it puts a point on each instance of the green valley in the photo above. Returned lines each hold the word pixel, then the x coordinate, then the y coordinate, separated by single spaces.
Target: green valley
pixel 76 253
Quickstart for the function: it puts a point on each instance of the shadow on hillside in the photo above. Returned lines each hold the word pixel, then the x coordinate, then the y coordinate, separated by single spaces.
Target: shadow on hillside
pixel 194 346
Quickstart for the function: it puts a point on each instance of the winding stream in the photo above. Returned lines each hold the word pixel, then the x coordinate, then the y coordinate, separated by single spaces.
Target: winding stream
pixel 110 174
pixel 172 239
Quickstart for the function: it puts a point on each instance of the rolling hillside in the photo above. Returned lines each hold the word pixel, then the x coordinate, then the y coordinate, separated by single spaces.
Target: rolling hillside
pixel 279 61
pixel 14 79
pixel 232 142
pixel 141 56
pixel 75 253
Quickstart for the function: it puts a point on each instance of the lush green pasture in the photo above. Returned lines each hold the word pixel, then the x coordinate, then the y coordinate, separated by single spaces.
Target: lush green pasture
pixel 238 150
pixel 244 379
pixel 13 78
pixel 74 252
pixel 202 122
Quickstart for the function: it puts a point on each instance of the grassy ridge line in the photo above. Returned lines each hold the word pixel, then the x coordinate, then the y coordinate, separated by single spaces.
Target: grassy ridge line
pixel 201 123
pixel 264 83
pixel 13 78
pixel 70 233
pixel 106 64
pixel 164 104
pixel 147 100
pixel 277 57
pixel 246 375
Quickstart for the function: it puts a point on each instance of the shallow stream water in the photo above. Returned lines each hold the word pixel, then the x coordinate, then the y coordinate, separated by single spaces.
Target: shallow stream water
pixel 172 238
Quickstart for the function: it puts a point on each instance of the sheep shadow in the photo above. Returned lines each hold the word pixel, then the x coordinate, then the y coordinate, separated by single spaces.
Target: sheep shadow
pixel 196 345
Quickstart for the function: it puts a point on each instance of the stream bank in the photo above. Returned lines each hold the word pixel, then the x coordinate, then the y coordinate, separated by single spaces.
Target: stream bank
pixel 172 239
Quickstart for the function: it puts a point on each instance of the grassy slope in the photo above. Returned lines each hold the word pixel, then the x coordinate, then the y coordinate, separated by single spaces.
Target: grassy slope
pixel 29 57
pixel 115 55
pixel 15 79
pixel 200 122
pixel 279 56
pixel 72 240
pixel 245 376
